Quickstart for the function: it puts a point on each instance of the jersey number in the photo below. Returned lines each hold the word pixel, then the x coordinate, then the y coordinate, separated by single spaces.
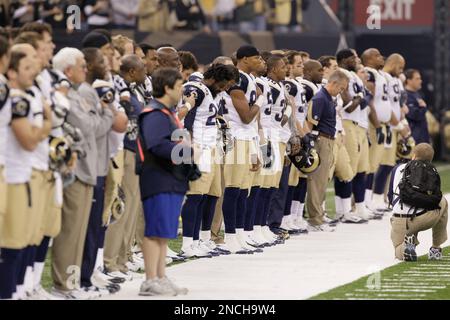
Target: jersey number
pixel 211 121
pixel 385 92
pixel 279 116
pixel 252 98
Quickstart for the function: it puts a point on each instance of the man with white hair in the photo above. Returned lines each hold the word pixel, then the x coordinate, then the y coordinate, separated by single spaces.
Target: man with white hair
pixel 67 249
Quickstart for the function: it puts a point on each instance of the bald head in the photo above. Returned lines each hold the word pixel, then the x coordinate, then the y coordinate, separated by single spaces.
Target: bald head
pixel 168 58
pixel 24 48
pixel 223 60
pixel 130 61
pixel 395 64
pixel 313 71
pixel 133 69
pixel 372 58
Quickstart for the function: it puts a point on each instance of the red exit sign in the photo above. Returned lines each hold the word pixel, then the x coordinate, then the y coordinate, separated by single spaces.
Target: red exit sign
pixel 394 12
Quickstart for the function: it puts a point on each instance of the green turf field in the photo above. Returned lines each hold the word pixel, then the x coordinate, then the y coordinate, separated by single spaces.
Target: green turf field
pixel 422 280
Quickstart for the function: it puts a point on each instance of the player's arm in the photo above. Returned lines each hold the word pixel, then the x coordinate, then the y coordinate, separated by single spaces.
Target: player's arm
pixel 350 103
pixel 373 118
pixel 28 135
pixel 394 121
pixel 246 112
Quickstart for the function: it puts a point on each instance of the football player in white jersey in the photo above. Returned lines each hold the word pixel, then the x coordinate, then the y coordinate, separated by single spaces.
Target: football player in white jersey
pixel 282 111
pixel 5 118
pixel 378 128
pixel 265 180
pixel 312 78
pixel 242 161
pixel 297 180
pixel 41 184
pixel 393 68
pixel 201 123
pixel 23 135
pixel 355 136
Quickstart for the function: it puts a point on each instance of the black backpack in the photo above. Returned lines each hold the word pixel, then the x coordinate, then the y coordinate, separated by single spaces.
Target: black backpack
pixel 420 186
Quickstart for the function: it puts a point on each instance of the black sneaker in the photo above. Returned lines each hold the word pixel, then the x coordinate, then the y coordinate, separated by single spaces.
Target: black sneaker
pixel 409 254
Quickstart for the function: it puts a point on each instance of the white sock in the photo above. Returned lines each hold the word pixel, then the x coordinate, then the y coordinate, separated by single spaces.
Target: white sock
pixel 187 243
pixel 368 198
pixel 339 205
pixel 294 207
pixel 205 235
pixel 28 282
pixel 346 205
pixel 300 209
pixel 20 291
pixel 378 200
pixel 360 207
pixel 38 270
pixel 324 206
pixel 99 260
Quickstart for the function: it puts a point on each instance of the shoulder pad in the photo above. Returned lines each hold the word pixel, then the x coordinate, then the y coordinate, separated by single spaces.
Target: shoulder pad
pixel 20 107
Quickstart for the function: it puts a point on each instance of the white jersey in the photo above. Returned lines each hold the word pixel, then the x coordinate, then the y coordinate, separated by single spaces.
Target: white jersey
pixel 295 89
pixel 355 88
pixel 201 119
pixel 240 130
pixel 381 98
pixel 115 139
pixel 18 160
pixel 279 133
pixel 40 158
pixel 395 93
pixel 266 108
pixel 309 88
pixel 5 116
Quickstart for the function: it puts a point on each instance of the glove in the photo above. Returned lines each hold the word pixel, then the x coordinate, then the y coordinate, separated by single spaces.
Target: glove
pixel 128 107
pixel 308 140
pixel 380 136
pixel 388 135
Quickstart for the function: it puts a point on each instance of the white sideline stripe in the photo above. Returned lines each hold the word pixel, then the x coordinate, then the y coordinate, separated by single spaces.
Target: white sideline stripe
pixel 305 266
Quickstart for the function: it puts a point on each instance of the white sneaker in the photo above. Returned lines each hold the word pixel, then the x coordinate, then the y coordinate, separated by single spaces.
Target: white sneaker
pixel 99 279
pixel 119 274
pixel 321 228
pixel 329 220
pixel 241 238
pixel 178 290
pixel 251 240
pixel 209 247
pixel 194 252
pixel 259 238
pixel 156 288
pixel 96 292
pixel 76 294
pixel 268 235
pixel 233 245
pixel 136 265
pixel 171 254
pixel 169 260
pixel 40 293
pixel 300 223
pixel 349 217
pixel 285 225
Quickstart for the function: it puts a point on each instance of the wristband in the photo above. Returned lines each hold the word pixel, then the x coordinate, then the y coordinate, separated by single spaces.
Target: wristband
pixel 288 111
pixel 259 102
